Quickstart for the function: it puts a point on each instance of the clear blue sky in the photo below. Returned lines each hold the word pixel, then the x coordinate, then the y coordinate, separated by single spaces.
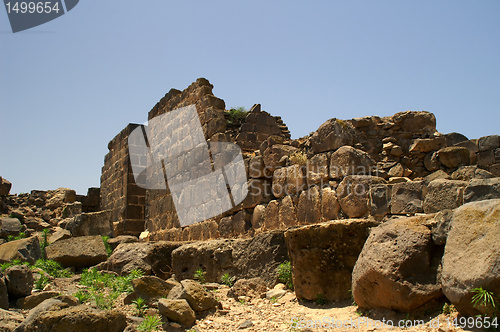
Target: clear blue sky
pixel 69 86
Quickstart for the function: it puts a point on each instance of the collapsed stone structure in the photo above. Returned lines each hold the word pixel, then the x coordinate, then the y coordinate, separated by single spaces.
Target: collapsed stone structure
pixel 392 162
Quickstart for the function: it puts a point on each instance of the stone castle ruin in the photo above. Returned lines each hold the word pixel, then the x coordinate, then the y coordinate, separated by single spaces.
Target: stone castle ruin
pixel 364 167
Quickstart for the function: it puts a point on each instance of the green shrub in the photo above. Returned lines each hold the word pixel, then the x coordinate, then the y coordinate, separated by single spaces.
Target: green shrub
pixel 45 242
pixel 150 323
pixel 235 116
pixel 140 306
pixel 53 268
pixel 82 295
pixel 41 282
pixel 105 239
pixel 5 266
pixel 483 298
pixel 227 280
pixel 285 274
pixel 200 276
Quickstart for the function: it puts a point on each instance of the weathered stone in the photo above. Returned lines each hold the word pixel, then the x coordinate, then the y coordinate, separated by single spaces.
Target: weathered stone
pixel 9 226
pixel 396 269
pixel 427 144
pixel 4 187
pixel 259 191
pixel 95 223
pixel 288 181
pixel 485 158
pixel 19 281
pixel 350 161
pixel 397 151
pixel 431 161
pixel 71 210
pixel 256 167
pixel 151 287
pixel 287 214
pixel 331 135
pixel 78 252
pixel 467 173
pixel 31 301
pixel 275 294
pixel 495 169
pixel 437 175
pixel 116 241
pixel 330 206
pixel 444 194
pixel 271 215
pixel 4 295
pixel 470 145
pixel 486 143
pixel 482 189
pixel 52 304
pixel 407 197
pixel 454 156
pixel 415 121
pixel 472 255
pixel 258 217
pixel 323 256
pixel 9 320
pixel 317 169
pixel 242 258
pixel 274 154
pixel 59 234
pixel 177 310
pixel 353 194
pixel 380 199
pixel 442 226
pixel 253 288
pixel 199 298
pixel 309 207
pixel 454 138
pixel 80 318
pixel 396 171
pixel 56 198
pixel 26 250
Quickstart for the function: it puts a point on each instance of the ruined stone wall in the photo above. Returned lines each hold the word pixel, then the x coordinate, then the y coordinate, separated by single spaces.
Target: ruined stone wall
pixel 119 192
pixel 370 166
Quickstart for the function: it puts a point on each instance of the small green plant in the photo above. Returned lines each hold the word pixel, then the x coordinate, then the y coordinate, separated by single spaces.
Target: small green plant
pixel 82 296
pixel 5 266
pixel 105 239
pixel 352 297
pixel 298 158
pixel 448 309
pixel 320 299
pixel 273 299
pixel 235 116
pixel 45 242
pixel 483 298
pixel 41 282
pixel 53 268
pixel 103 301
pixel 140 306
pixel 285 274
pixel 150 323
pixel 200 276
pixel 227 280
pixel 20 236
pixel 242 301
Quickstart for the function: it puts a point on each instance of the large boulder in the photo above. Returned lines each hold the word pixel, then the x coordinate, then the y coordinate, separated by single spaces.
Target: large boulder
pixel 427 144
pixel 288 181
pixel 407 197
pixel 454 156
pixel 242 258
pixel 57 198
pixel 80 318
pixel 415 121
pixel 317 169
pixel 26 250
pixel 19 281
pixel 472 254
pixel 309 206
pixel 81 251
pixel 195 294
pixel 467 173
pixel 353 194
pixel 9 226
pixel 482 189
pixel 253 287
pixel 95 223
pixel 323 256
pixel 273 155
pixel 4 187
pixel 9 320
pixel 151 287
pixel 331 135
pixel 150 257
pixel 444 194
pixel 350 161
pixel 396 269
pixel 31 301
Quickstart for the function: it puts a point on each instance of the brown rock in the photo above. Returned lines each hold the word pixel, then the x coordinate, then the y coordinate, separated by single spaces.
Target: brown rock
pixel 317 169
pixel 323 256
pixel 309 207
pixel 331 135
pixel 4 187
pixel 253 288
pixel 177 310
pixel 396 269
pixel 407 197
pixel 330 206
pixel 427 144
pixel 151 287
pixel 95 223
pixel 82 251
pixel 350 161
pixel 26 250
pixel 353 194
pixel 467 173
pixel 287 214
pixel 454 156
pixel 444 194
pixel 415 121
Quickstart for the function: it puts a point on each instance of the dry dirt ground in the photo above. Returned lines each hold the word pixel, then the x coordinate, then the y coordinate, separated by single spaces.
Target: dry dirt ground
pixel 287 314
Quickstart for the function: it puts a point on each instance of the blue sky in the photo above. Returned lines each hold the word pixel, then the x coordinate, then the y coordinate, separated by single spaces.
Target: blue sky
pixel 69 86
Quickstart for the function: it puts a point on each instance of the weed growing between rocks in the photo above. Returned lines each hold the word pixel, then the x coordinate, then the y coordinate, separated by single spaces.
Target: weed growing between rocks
pixel 200 276
pixel 109 251
pixel 235 116
pixel 150 323
pixel 21 235
pixel 140 306
pixel 285 274
pixel 227 280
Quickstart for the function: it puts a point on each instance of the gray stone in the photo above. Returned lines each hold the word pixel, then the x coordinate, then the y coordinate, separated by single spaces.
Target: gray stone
pixel 380 199
pixel 4 295
pixel 331 135
pixel 353 194
pixel 407 198
pixel 486 143
pixel 309 207
pixel 444 194
pixel 485 158
pixel 19 281
pixel 31 301
pixel 472 255
pixel 350 161
pixel 396 269
pixel 9 226
pixel 275 294
pixel 454 156
pixel 287 214
pixel 82 251
pixel 288 181
pixel 442 227
pixel 26 250
pixel 482 189
pixel 177 310
pixel 95 223
pixel 467 173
